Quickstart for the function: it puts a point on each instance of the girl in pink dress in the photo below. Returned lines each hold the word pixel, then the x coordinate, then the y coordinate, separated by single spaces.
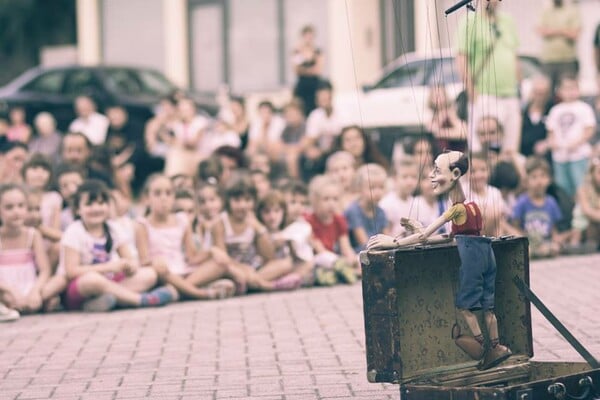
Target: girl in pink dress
pixel 165 241
pixel 24 266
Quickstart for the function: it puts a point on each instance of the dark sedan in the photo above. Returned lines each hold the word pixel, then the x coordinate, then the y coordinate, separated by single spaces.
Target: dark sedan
pixel 54 89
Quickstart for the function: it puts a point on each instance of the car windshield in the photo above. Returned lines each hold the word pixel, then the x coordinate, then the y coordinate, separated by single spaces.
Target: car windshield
pixel 128 82
pixel 411 74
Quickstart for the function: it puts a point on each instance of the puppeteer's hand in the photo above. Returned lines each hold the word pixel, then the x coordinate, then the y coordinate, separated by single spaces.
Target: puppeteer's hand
pixel 381 242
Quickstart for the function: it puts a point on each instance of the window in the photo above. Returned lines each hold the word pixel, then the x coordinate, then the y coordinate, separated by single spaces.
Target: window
pixel 50 82
pixel 408 75
pixel 444 73
pixel 79 83
pixel 129 82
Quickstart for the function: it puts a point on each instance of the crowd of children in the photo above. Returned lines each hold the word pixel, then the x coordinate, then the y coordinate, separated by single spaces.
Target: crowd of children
pixel 279 214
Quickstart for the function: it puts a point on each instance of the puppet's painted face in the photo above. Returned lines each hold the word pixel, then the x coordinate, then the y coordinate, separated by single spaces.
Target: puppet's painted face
pixel 442 177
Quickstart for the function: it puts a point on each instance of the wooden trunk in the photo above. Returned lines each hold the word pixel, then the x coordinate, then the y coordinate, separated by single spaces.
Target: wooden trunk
pixel 408 298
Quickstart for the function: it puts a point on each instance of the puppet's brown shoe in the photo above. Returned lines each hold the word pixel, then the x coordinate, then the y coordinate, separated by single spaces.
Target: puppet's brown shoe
pixel 495 356
pixel 467 343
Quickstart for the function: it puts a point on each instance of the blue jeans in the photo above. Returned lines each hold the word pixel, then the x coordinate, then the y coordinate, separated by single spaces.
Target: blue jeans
pixel 477 273
pixel 569 175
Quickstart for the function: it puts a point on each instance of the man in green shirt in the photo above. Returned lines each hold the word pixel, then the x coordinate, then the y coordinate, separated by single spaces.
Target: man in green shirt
pixel 559 27
pixel 487 44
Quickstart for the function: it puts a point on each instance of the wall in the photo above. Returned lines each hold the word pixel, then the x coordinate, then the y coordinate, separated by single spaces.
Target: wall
pixel 132 33
pixel 354 42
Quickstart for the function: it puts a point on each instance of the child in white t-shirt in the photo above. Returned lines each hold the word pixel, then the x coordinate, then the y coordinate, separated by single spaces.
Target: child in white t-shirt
pixel 98 280
pixel 428 206
pixel 399 203
pixel 489 199
pixel 341 166
pixel 571 126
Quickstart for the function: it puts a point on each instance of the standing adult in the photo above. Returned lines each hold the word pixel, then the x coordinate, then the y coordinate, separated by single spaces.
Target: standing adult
pixel 559 27
pixel 308 65
pixel 322 128
pixel 487 43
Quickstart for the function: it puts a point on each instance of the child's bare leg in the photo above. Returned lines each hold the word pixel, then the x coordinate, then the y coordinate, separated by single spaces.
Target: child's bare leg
pixel 237 272
pixel 253 279
pixel 144 279
pixel 51 291
pixel 206 273
pixel 54 287
pixel 185 287
pixel 93 284
pixel 306 271
pixel 53 255
pixel 276 269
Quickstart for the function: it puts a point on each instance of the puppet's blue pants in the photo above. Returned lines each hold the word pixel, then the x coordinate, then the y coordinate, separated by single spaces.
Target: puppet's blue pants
pixel 477 273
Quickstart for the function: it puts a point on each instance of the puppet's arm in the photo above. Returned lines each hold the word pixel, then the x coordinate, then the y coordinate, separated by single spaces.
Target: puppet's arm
pixel 382 242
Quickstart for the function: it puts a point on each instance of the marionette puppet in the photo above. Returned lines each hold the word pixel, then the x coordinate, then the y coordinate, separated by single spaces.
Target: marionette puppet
pixel 477 274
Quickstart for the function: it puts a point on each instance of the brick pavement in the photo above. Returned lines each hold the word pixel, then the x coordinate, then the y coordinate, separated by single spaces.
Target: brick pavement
pixel 287 346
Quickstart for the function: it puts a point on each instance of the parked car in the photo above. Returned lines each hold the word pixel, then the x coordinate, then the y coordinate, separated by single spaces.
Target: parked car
pixel 399 98
pixel 54 89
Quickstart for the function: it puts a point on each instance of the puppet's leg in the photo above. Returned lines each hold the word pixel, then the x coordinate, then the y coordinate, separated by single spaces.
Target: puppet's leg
pixel 472 345
pixel 497 352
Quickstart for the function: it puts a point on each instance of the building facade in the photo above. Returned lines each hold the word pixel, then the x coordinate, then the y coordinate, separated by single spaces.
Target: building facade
pixel 247 44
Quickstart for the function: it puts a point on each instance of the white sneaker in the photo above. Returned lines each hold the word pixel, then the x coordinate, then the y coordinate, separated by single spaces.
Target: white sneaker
pixel 8 314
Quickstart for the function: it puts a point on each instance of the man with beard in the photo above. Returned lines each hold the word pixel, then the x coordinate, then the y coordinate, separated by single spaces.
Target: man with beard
pixel 559 27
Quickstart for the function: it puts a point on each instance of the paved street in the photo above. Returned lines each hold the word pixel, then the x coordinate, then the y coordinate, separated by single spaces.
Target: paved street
pixel 303 345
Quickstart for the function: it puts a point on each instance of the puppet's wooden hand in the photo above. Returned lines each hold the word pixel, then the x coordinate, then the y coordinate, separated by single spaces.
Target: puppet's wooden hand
pixel 381 242
pixel 411 225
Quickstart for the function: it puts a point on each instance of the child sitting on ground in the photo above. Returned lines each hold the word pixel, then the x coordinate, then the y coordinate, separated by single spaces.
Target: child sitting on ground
pixel 297 231
pixel 37 176
pixel 271 212
pixel 537 213
pixel 243 237
pixel 341 167
pixel 488 198
pixel 122 219
pixel 365 218
pixel 335 259
pixel 428 206
pixel 164 241
pixel 68 178
pixel 97 280
pixel 44 204
pixel 24 266
pixel 399 203
pixel 210 206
